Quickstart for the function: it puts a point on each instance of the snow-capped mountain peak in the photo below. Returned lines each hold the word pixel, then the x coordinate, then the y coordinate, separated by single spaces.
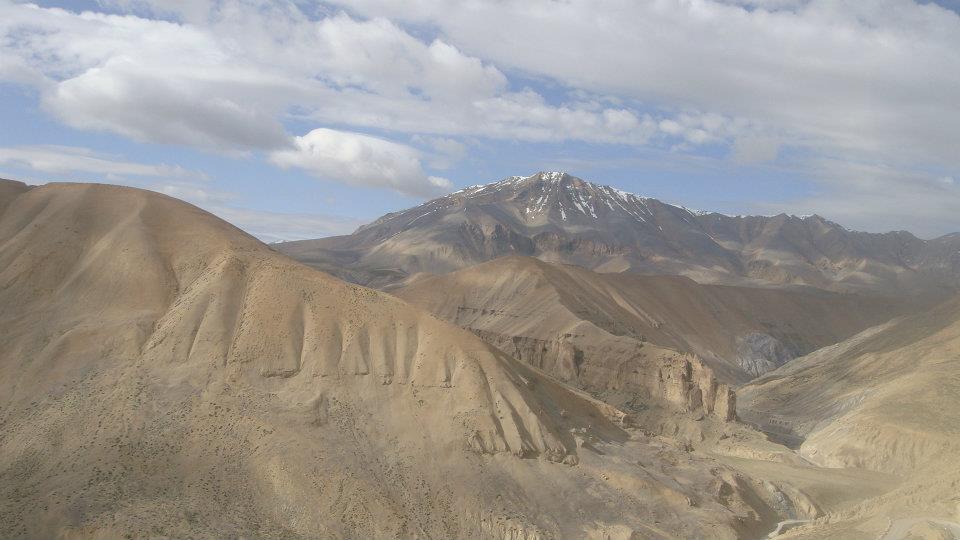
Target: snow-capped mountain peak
pixel 549 195
pixel 559 217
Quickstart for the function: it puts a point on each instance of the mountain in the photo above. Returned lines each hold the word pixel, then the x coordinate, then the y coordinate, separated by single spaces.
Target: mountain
pixel 888 400
pixel 164 374
pixel 565 319
pixel 560 218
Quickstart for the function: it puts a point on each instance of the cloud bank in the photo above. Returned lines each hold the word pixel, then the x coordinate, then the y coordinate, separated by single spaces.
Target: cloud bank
pixel 386 94
pixel 361 160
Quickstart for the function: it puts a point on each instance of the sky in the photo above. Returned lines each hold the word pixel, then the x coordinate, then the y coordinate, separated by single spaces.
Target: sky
pixel 296 119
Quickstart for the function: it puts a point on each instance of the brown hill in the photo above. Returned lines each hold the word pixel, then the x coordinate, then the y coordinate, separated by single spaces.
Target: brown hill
pixel 888 400
pixel 542 313
pixel 163 374
pixel 557 217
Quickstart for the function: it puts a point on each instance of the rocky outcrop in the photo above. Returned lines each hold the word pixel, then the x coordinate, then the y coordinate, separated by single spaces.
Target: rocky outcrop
pixel 559 357
pixel 483 242
pixel 682 381
pixel 758 353
pixel 561 244
pixel 687 383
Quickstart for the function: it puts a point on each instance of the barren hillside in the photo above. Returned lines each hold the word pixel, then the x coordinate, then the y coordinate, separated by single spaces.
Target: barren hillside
pixel 886 400
pixel 742 332
pixel 163 374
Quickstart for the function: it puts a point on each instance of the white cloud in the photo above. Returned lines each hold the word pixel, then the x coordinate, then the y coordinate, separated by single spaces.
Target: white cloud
pixel 755 80
pixel 133 99
pixel 266 226
pixel 444 152
pixel 878 197
pixel 195 83
pixel 194 11
pixel 871 78
pixel 379 56
pixel 358 159
pixel 200 195
pixel 71 159
pixel 752 149
pixel 66 162
pixel 150 80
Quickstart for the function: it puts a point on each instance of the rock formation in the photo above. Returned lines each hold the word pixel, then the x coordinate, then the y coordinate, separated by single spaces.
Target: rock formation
pixel 682 381
pixel 687 383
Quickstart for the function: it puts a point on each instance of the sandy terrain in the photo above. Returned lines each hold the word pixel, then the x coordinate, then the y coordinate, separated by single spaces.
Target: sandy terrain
pixel 885 400
pixel 163 374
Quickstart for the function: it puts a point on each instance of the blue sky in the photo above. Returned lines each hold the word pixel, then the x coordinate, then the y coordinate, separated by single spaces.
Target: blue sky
pixel 298 120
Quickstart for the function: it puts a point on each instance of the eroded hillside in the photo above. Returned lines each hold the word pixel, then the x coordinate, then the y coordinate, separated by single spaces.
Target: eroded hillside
pixel 566 319
pixel 165 374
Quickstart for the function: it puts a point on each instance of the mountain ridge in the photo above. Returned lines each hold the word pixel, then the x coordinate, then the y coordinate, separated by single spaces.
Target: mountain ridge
pixel 560 218
pixel 740 332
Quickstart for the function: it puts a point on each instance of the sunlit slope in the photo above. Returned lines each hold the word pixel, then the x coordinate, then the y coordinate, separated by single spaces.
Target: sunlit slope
pixel 887 399
pixel 164 374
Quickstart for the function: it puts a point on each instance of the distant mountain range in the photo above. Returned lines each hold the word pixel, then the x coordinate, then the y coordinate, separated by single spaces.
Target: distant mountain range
pixel 560 218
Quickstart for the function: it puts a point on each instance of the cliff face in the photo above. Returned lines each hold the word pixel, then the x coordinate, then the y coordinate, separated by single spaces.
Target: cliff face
pixel 676 380
pixel 689 384
pixel 559 357
pixel 758 353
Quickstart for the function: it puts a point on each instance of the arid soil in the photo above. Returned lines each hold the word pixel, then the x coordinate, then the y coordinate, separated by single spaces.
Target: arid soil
pixel 885 400
pixel 165 375
pixel 741 332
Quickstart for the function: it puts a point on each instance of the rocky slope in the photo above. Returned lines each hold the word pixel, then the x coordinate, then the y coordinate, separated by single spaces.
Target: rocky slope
pixel 566 319
pixel 885 400
pixel 165 375
pixel 623 370
pixel 557 217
